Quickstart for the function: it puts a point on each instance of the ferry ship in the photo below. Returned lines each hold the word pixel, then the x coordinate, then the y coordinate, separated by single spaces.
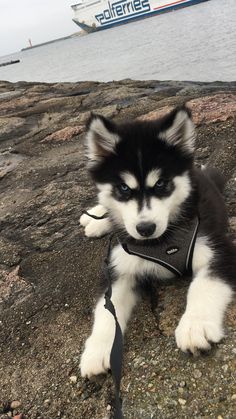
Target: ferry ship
pixel 93 15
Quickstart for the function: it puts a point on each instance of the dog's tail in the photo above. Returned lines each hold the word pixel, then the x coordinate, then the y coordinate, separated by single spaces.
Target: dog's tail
pixel 215 176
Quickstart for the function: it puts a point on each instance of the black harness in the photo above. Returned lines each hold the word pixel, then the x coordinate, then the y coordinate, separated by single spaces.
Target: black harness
pixel 174 252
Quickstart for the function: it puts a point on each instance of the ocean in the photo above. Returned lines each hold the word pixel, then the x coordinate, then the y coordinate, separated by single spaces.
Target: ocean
pixel 196 43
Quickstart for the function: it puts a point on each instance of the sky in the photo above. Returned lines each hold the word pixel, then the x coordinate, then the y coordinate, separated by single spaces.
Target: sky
pixel 39 20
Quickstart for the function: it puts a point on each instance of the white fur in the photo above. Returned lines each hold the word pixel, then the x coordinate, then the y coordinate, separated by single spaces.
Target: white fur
pixel 98 210
pixel 96 356
pixel 202 254
pixel 202 321
pixel 98 138
pixel 152 177
pixel 93 227
pixel 97 228
pixel 130 180
pixel 207 300
pixel 181 132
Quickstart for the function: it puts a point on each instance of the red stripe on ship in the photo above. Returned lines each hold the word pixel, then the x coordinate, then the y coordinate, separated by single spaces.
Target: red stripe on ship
pixel 169 4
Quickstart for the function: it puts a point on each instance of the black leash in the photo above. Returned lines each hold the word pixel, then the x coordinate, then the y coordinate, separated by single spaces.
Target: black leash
pixel 116 356
pixel 117 346
pixel 96 217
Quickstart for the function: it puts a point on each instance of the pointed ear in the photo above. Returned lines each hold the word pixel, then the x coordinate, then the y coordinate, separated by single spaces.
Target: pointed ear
pixel 102 138
pixel 179 130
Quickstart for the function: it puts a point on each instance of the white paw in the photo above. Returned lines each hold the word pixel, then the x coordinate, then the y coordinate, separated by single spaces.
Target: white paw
pixel 85 220
pixel 96 357
pixel 98 211
pixel 97 228
pixel 93 227
pixel 194 332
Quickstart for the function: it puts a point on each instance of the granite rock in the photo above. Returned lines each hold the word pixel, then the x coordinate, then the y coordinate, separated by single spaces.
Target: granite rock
pixel 49 270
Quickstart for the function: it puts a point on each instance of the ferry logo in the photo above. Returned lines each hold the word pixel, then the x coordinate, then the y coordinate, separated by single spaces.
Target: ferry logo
pixel 122 8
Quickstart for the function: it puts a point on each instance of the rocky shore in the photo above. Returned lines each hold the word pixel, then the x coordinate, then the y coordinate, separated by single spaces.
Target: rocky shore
pixel 49 270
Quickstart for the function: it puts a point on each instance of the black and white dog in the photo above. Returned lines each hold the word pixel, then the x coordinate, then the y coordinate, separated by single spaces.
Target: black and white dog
pixel 148 185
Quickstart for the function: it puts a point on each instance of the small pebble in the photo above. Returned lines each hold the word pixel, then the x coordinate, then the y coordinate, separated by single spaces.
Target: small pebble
pixel 108 407
pixel 73 379
pixel 225 368
pixel 233 397
pixel 197 373
pixel 182 402
pixel 15 404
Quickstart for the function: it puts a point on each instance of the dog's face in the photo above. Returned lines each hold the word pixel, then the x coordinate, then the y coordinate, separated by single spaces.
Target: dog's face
pixel 142 170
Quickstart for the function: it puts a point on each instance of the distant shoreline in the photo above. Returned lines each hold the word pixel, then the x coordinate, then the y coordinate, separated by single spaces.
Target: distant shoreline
pixel 54 40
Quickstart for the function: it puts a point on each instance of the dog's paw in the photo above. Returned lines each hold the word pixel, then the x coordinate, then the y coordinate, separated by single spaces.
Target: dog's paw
pixel 97 228
pixel 196 333
pixel 84 220
pixel 96 357
pixel 93 227
pixel 97 211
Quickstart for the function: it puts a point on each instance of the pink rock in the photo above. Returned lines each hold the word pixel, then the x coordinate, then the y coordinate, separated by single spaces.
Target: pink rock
pixel 205 110
pixel 216 108
pixel 65 134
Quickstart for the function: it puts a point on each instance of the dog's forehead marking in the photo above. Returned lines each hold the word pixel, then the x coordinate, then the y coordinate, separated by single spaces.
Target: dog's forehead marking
pixel 130 180
pixel 152 177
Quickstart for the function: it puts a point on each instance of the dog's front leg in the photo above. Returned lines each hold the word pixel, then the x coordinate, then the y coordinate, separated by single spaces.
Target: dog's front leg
pixel 202 322
pixel 96 356
pixel 95 227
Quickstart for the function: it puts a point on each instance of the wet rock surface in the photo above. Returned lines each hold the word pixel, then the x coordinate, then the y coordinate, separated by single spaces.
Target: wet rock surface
pixel 49 270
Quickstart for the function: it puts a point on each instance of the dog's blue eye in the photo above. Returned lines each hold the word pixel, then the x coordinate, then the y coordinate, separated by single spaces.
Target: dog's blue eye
pixel 160 183
pixel 124 188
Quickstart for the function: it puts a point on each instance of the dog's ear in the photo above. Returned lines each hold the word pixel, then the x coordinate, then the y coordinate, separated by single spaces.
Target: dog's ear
pixel 178 129
pixel 102 138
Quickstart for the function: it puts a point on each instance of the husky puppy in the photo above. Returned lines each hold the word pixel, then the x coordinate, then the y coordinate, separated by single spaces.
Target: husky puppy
pixel 147 184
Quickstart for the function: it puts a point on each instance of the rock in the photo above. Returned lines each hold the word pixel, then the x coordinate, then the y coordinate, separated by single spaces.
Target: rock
pixel 182 402
pixel 49 270
pixel 65 134
pixel 197 373
pixel 15 404
pixel 73 379
pixel 9 162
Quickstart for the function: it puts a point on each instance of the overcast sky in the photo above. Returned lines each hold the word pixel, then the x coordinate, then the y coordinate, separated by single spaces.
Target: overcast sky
pixel 39 20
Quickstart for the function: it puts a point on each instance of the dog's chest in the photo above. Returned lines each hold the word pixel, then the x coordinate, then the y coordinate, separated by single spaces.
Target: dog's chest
pixel 170 257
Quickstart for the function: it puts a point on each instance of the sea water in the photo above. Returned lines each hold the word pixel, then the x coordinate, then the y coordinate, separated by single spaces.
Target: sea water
pixel 196 43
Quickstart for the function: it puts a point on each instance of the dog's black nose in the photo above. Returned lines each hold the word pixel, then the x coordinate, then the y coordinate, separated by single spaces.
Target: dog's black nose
pixel 146 229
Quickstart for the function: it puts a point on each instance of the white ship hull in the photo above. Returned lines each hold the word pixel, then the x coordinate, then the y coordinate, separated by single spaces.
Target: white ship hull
pixel 92 15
